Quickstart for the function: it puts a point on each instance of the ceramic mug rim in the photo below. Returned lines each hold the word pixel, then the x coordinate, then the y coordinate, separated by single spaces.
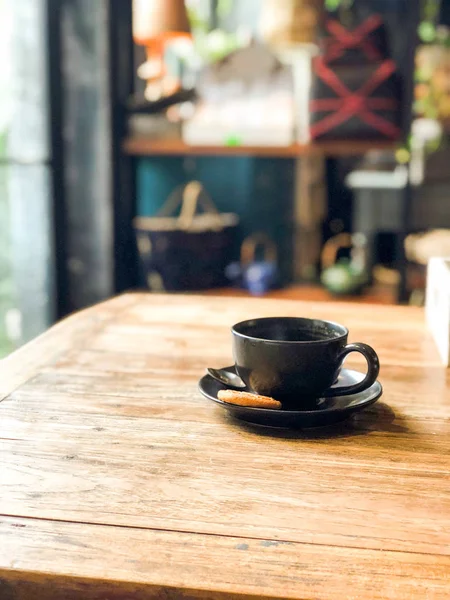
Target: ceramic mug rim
pixel 333 324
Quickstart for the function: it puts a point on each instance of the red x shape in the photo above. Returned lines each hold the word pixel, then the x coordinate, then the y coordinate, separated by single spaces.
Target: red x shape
pixel 350 104
pixel 344 39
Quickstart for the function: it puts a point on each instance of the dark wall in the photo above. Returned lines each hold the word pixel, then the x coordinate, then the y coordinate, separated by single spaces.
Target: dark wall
pixel 87 152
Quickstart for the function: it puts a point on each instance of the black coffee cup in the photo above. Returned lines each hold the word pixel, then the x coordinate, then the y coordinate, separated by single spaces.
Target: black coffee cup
pixel 296 360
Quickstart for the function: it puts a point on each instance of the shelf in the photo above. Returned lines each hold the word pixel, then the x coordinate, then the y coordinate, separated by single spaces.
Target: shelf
pixel 377 294
pixel 142 146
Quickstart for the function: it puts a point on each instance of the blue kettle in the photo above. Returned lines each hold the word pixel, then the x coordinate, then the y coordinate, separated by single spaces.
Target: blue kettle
pixel 257 276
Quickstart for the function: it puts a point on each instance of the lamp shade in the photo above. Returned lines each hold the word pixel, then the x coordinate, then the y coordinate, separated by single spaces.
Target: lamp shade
pixel 158 18
pixel 287 22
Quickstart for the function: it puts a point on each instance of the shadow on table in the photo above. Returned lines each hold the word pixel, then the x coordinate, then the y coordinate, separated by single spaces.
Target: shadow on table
pixel 378 418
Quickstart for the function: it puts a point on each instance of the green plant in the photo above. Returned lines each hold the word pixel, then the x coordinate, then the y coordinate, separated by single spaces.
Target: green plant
pixel 427 29
pixel 335 4
pixel 212 45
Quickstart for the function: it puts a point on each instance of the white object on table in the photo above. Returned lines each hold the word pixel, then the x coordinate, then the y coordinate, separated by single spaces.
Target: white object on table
pixel 437 305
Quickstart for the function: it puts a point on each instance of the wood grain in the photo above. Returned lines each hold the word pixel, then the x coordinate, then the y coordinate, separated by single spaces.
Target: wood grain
pixel 108 452
pixel 28 360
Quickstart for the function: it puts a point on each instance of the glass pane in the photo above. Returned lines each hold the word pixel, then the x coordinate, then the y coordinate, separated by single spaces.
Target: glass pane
pixel 26 268
pixel 6 277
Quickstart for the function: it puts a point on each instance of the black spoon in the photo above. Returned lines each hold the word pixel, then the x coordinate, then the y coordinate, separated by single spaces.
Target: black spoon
pixel 227 378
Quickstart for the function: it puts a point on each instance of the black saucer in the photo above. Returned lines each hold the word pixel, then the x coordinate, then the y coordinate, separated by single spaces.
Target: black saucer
pixel 326 411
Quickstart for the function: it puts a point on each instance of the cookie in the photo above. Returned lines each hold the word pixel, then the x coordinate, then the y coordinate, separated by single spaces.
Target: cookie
pixel 247 399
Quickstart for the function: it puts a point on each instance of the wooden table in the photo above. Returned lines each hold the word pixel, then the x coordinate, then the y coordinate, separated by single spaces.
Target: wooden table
pixel 119 481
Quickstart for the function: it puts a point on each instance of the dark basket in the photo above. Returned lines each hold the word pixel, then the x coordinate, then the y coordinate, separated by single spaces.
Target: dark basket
pixel 188 252
pixel 364 41
pixel 349 103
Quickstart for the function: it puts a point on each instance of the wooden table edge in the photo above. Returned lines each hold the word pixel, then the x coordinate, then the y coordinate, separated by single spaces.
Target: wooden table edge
pixel 164 564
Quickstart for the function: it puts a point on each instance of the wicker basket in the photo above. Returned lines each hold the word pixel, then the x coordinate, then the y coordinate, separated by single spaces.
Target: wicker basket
pixel 189 251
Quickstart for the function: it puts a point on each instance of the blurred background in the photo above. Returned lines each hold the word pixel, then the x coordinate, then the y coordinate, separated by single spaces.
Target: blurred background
pixel 282 148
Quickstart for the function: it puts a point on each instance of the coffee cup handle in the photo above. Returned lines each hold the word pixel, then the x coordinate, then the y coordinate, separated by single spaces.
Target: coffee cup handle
pixel 373 369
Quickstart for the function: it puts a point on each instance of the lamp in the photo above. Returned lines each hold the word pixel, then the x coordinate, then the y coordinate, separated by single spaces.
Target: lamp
pixel 290 21
pixel 155 23
pixel 289 28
